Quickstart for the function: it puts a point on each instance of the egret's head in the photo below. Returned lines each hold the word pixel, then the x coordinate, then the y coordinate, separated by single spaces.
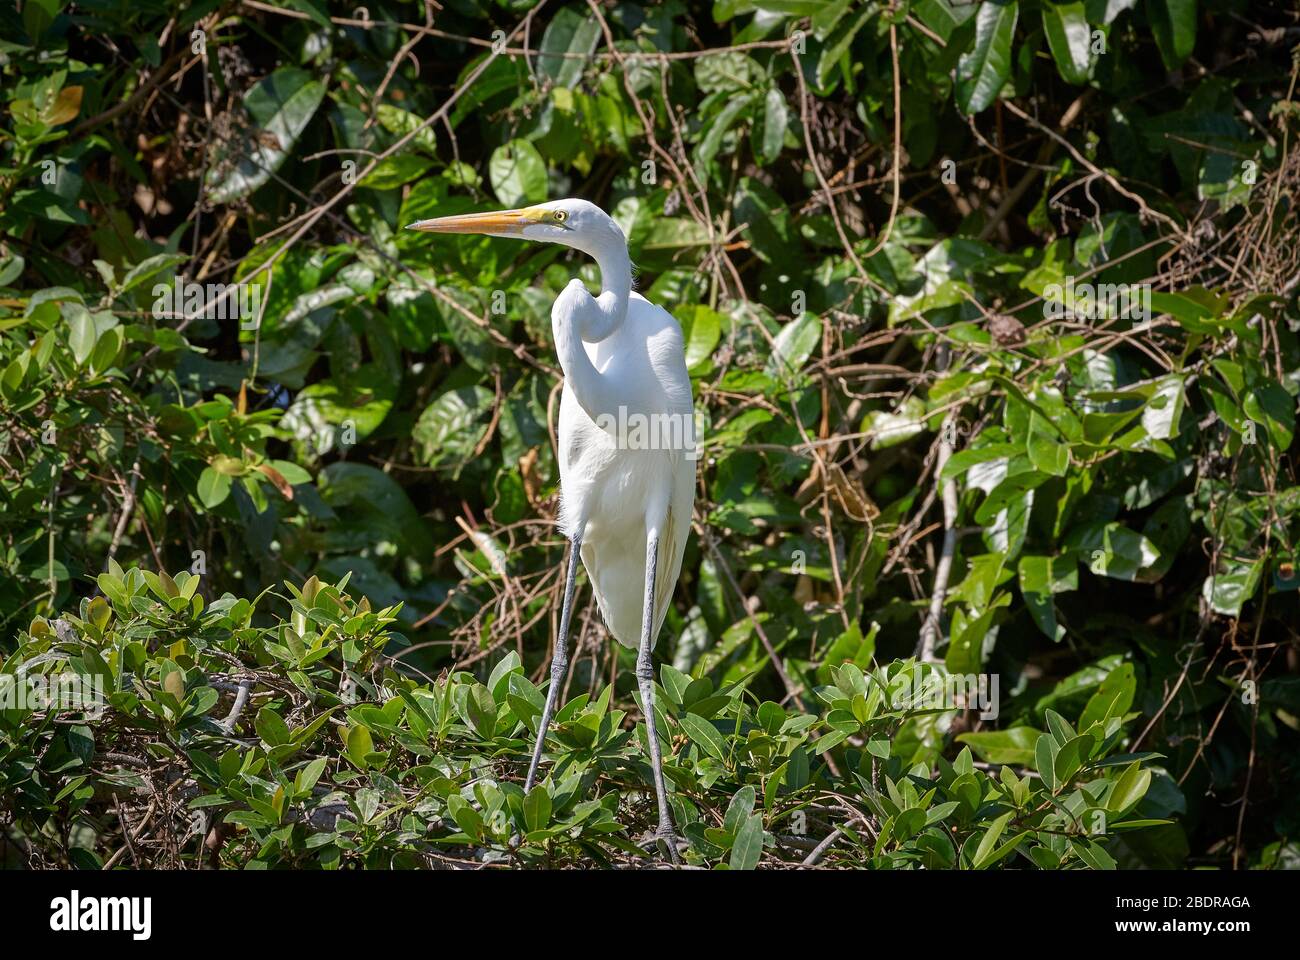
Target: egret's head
pixel 574 223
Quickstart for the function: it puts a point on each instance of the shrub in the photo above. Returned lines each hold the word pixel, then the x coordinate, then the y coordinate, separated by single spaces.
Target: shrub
pixel 227 734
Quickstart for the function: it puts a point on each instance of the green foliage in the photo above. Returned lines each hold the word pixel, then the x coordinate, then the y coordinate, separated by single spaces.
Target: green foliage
pixel 331 757
pixel 376 408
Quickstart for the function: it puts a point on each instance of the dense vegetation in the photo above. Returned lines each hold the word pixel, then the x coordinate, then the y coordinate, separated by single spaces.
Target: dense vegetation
pixel 934 448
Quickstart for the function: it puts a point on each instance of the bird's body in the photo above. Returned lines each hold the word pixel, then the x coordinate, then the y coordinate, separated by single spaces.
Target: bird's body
pixel 603 475
pixel 627 446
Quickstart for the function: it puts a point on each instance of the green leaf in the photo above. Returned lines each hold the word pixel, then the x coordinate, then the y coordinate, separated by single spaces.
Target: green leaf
pixel 766 223
pixel 775 120
pixel 1229 589
pixel 702 329
pixel 481 710
pixel 1069 37
pixel 281 106
pixel 1040 579
pixel 988 842
pixel 1113 550
pixel 537 808
pixel 81 333
pixel 149 268
pixel 106 349
pixel 797 773
pixel 321 411
pixel 1093 854
pixel 705 734
pixel 1131 787
pixel 717 128
pixel 793 345
pixel 943 16
pixel 889 428
pixel 1164 409
pixel 309 775
pixel 1010 490
pixel 314 9
pixel 961 461
pixel 396 170
pixel 1105 11
pixel 1195 308
pixel 358 744
pixel 966 649
pixel 1059 728
pixel 525 700
pixel 741 806
pixel 748 848
pixel 1274 408
pixel 1113 698
pixel 1015 745
pixel 1047 452
pixel 451 427
pixel 11 268
pixel 270 726
pixel 572 33
pixel 1221 177
pixel 38 15
pixel 983 71
pixel 979 587
pixel 376 501
pixel 214 487
pixel 727 72
pixel 1071 758
pixel 202 700
pixel 402 122
pixel 466 817
pixel 1045 752
pixel 1173 23
pixel 518 174
pixel 838 45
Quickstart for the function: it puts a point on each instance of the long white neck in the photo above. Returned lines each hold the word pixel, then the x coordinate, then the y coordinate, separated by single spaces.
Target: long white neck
pixel 615 285
pixel 579 317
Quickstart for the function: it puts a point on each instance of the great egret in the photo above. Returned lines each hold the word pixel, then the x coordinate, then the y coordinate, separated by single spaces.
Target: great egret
pixel 627 455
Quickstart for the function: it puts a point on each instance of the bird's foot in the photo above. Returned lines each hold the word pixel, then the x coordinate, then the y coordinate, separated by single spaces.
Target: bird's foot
pixel 666 843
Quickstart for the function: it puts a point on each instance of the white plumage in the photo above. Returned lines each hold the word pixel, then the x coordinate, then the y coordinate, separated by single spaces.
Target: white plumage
pixel 627 446
pixel 603 484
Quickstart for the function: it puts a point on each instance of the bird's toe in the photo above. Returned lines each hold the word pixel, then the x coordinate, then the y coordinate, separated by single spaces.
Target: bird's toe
pixel 665 843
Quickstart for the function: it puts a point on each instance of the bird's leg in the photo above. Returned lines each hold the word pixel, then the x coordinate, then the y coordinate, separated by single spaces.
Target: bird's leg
pixel 645 677
pixel 559 659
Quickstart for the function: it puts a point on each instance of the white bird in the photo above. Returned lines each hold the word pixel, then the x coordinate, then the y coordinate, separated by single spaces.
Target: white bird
pixel 627 445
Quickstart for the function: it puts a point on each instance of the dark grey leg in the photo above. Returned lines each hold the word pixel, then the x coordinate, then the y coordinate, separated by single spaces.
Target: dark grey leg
pixel 559 659
pixel 645 680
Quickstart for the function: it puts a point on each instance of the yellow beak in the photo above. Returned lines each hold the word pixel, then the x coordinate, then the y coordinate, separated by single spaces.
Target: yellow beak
pixel 497 223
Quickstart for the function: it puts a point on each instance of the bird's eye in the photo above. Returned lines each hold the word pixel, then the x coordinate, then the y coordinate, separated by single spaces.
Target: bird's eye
pixel 560 216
